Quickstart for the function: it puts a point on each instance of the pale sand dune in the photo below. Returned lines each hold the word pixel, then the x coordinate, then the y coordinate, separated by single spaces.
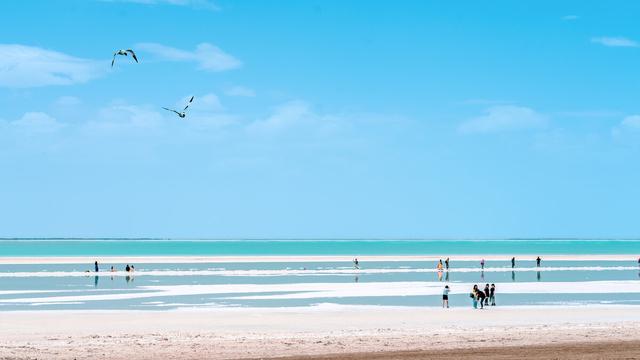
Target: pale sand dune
pixel 260 333
pixel 299 259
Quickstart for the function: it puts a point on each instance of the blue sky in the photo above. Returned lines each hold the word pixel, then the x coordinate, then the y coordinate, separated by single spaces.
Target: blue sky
pixel 320 119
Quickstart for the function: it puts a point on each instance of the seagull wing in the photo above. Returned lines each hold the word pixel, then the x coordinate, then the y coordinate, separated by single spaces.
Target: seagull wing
pixel 171 110
pixel 189 103
pixel 114 59
pixel 133 54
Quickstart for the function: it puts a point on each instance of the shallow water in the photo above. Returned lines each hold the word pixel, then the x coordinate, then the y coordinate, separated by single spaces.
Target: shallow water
pixel 269 284
pixel 125 247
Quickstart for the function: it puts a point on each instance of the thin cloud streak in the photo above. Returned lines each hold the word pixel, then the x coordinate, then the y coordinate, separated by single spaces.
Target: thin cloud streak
pixel 208 57
pixel 615 41
pixel 23 66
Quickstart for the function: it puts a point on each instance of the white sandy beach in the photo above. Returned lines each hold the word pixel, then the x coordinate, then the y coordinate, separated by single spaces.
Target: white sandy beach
pixel 300 259
pixel 261 333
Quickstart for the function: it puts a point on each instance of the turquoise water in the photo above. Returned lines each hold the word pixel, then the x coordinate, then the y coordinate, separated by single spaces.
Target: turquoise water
pixel 256 283
pixel 53 247
pixel 259 284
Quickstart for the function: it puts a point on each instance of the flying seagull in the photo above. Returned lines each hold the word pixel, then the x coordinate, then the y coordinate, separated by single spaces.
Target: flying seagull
pixel 125 53
pixel 182 113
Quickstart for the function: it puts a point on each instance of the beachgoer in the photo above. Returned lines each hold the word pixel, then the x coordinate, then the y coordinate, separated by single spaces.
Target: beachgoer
pixel 132 268
pixel 492 294
pixel 113 269
pixel 446 263
pixel 538 261
pixel 439 266
pixel 481 298
pixel 487 293
pixel 127 268
pixel 96 266
pixel 474 296
pixel 482 263
pixel 356 264
pixel 445 297
pixel 513 262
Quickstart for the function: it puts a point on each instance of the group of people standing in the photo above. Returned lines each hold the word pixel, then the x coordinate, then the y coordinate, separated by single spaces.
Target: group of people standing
pixel 441 267
pixel 128 268
pixel 445 266
pixel 483 297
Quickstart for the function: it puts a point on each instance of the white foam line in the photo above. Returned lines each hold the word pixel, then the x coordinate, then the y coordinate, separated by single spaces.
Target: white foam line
pixel 88 260
pixel 338 290
pixel 309 272
pixel 17 292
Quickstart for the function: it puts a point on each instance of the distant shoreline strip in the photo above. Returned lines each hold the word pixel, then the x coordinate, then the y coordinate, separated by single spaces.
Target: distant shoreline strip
pixel 33 260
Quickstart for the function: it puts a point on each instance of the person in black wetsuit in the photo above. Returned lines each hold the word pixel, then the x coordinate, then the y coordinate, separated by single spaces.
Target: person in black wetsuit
pixel 513 262
pixel 492 294
pixel 487 292
pixel 446 263
pixel 481 298
pixel 96 266
pixel 538 261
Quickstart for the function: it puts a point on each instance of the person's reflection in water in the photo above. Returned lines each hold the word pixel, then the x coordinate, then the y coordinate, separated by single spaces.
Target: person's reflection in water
pixel 513 276
pixel 439 275
pixel 356 279
pixel 538 275
pixel 128 278
pixel 95 281
pixel 482 275
pixel 446 277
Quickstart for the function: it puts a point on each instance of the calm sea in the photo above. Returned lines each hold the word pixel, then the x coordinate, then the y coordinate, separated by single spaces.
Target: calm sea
pixel 125 247
pixel 257 283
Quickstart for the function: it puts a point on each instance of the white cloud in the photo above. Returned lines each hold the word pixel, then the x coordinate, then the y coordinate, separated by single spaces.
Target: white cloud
pixel 28 66
pixel 630 125
pixel 206 102
pixel 36 122
pixel 206 112
pixel 631 122
pixel 240 91
pixel 615 41
pixel 504 118
pixel 570 17
pixel 207 56
pixel 296 115
pixel 120 117
pixel 284 116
